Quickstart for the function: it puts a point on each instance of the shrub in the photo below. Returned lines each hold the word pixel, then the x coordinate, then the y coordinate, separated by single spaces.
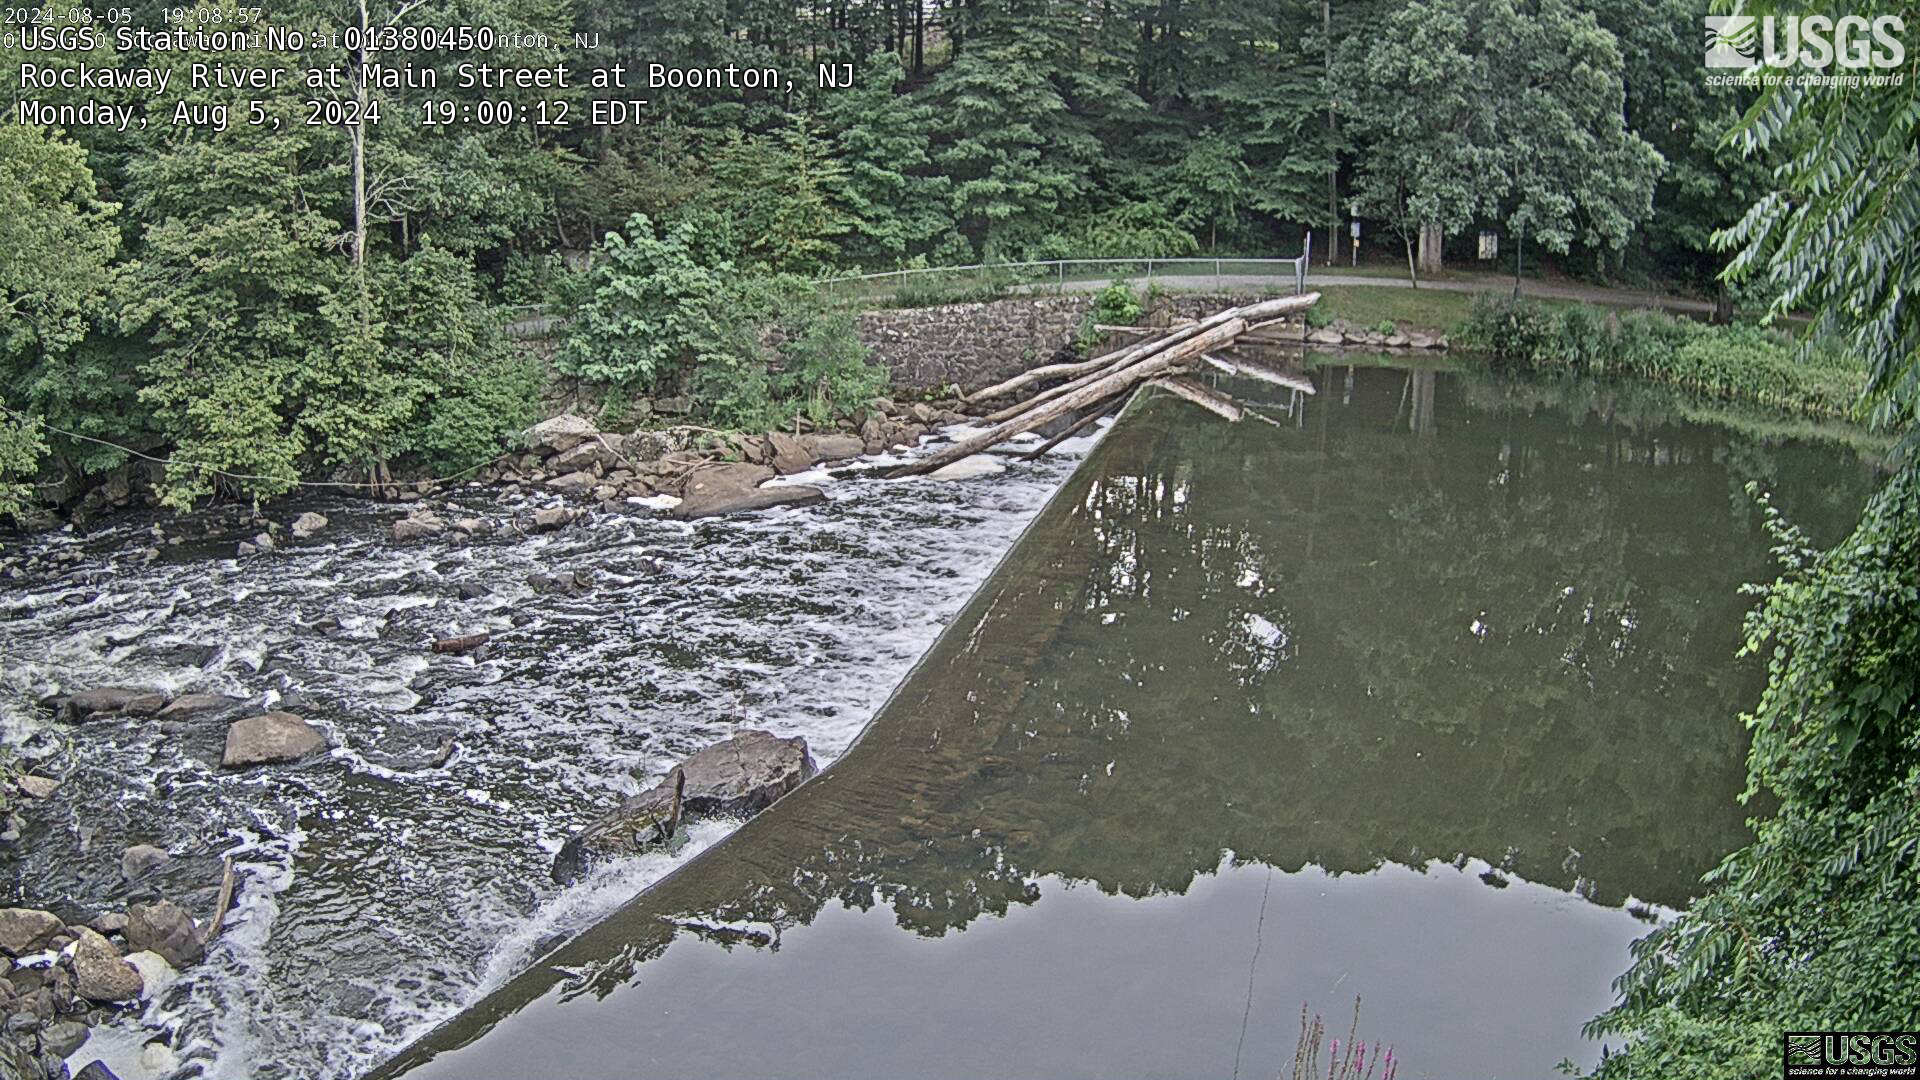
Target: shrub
pixel 1117 304
pixel 1813 920
pixel 1733 362
pixel 1386 326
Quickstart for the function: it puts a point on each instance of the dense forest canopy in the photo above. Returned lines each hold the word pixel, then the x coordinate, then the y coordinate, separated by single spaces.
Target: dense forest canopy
pixel 276 291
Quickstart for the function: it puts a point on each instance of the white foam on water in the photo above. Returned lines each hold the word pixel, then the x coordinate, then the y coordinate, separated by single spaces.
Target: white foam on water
pixel 379 892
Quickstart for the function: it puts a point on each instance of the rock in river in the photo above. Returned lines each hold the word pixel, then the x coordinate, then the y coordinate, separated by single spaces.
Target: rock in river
pixel 742 775
pixel 24 930
pixel 166 930
pixel 308 524
pixel 270 738
pixel 139 859
pixel 98 972
pixel 730 489
pixel 103 700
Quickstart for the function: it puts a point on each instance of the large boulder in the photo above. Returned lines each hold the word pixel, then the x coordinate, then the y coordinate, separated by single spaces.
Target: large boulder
pixel 25 930
pixel 98 972
pixel 835 447
pixel 574 482
pixel 560 434
pixel 791 454
pixel 738 776
pixel 735 488
pixel 308 525
pixel 269 739
pixel 166 930
pixel 600 450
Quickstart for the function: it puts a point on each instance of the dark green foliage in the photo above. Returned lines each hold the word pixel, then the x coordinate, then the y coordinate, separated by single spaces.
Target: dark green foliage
pixel 1811 925
pixel 1117 304
pixel 1742 363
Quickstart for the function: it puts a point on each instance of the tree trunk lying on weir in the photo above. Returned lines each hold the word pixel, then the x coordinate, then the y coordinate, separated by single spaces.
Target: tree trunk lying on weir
pixel 1267 310
pixel 1207 398
pixel 1099 389
pixel 1104 377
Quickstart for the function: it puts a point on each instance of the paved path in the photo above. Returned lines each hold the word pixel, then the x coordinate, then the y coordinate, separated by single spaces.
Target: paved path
pixel 1586 294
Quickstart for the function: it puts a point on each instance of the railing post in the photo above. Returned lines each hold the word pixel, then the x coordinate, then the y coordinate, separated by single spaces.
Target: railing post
pixel 1062 267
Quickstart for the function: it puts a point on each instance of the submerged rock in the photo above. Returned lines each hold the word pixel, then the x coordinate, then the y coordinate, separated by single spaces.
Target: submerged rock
pixel 418 527
pixel 37 787
pixel 969 467
pixel 740 502
pixel 269 739
pixel 193 704
pixel 64 1038
pixel 552 518
pixel 738 776
pixel 96 1070
pixel 101 701
pixel 155 972
pixel 141 859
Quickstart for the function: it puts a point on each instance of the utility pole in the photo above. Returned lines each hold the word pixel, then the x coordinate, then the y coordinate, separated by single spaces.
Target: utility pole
pixel 1519 243
pixel 1333 141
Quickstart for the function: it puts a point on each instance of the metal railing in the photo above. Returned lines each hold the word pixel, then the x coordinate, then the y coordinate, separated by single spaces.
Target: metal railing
pixel 981 280
pixel 928 285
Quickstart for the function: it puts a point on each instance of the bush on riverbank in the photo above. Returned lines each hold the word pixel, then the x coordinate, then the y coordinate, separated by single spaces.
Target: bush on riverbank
pixel 1743 363
pixel 1810 926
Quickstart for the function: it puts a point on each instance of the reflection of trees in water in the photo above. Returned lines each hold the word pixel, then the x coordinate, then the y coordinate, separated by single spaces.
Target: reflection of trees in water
pixel 1508 637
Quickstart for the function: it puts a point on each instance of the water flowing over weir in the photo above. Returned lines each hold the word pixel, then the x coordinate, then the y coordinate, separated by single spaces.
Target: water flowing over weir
pixel 1423 694
pixel 379 890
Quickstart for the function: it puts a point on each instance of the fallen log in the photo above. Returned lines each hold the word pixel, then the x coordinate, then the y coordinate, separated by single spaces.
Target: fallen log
pixel 1207 398
pixel 1098 390
pixel 1264 309
pixel 462 644
pixel 1123 357
pixel 212 929
pixel 1262 372
pixel 1096 412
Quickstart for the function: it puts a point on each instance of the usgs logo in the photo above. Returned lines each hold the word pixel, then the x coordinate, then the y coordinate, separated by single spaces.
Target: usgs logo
pixel 1833 1054
pixel 1814 41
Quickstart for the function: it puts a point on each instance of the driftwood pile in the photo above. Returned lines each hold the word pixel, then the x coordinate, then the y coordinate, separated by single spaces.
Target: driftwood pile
pixel 1163 359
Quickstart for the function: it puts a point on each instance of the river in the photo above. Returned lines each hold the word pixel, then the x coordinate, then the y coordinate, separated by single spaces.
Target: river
pixel 379 892
pixel 1423 694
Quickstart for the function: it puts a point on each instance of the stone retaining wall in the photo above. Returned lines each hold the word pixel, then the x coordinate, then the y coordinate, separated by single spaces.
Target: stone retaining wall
pixel 972 344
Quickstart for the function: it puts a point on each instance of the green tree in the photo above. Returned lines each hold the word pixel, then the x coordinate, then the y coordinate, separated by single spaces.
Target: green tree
pixel 1811 924
pixel 58 238
pixel 1508 110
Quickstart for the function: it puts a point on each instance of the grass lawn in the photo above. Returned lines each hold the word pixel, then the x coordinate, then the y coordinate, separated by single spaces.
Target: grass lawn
pixel 1366 305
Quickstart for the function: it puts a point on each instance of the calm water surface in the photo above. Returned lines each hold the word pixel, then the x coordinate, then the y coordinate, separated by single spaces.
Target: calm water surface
pixel 1423 693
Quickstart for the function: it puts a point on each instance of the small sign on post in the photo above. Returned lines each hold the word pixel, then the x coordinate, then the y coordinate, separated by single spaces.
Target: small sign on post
pixel 1489 244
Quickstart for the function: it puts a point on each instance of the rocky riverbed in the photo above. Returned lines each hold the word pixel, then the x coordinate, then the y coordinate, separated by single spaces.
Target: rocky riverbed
pixel 393 812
